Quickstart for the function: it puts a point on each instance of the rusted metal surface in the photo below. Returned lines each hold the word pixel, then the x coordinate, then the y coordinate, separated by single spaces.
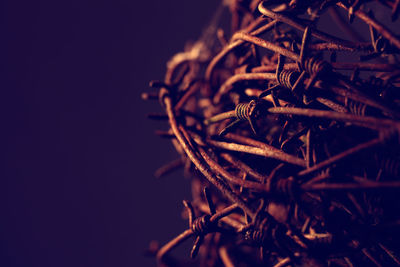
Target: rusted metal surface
pixel 300 154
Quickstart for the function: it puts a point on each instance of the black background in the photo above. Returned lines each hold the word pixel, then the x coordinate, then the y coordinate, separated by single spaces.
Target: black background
pixel 77 185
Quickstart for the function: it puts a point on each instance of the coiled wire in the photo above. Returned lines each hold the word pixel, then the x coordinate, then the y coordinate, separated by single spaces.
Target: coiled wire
pixel 314 66
pixel 288 78
pixel 269 232
pixel 202 225
pixel 287 187
pixel 242 111
pixel 284 187
pixel 391 166
pixel 356 108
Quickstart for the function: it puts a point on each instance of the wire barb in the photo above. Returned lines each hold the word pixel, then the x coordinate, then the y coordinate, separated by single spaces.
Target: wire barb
pixel 314 182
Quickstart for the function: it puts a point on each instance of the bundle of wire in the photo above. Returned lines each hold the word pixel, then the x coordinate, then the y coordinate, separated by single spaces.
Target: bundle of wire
pixel 289 133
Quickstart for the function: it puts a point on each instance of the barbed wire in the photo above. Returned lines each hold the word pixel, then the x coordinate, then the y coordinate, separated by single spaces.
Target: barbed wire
pixel 300 151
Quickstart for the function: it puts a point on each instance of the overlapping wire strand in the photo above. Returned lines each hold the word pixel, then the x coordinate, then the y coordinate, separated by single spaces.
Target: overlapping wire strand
pixel 300 153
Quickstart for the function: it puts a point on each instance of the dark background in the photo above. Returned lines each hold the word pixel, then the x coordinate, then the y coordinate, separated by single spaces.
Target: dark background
pixel 77 185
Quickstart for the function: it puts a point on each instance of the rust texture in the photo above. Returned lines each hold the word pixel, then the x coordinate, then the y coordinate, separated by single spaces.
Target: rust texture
pixel 290 136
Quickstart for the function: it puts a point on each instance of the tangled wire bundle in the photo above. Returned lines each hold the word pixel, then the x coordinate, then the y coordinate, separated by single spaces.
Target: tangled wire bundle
pixel 293 155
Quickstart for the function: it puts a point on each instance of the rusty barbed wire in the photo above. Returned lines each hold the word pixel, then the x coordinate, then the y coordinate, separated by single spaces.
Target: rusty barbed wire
pixel 295 133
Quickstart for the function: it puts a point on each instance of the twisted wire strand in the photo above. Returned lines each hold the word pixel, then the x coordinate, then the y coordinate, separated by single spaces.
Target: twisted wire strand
pixel 242 111
pixel 390 165
pixel 287 78
pixel 355 107
pixel 318 34
pixel 202 225
pixel 296 179
pixel 265 230
pixel 314 65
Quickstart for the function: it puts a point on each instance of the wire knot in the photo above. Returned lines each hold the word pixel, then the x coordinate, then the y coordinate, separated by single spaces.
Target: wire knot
pixel 202 225
pixel 287 78
pixel 245 111
pixel 286 187
pixel 316 66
